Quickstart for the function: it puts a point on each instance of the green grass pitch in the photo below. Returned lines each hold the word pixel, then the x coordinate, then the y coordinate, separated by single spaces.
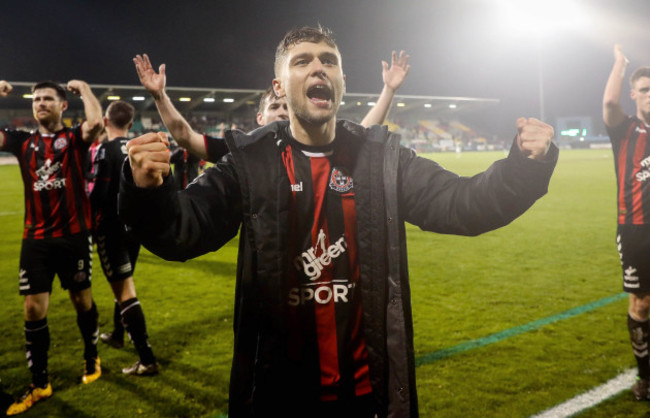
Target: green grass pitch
pixel 558 256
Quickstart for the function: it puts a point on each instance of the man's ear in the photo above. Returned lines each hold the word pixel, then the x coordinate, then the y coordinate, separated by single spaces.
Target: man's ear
pixel 344 84
pixel 277 88
pixel 64 106
pixel 260 120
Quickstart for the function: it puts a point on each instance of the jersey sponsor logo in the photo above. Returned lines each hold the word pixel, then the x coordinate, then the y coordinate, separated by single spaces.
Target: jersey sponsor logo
pixel 321 293
pixel 340 181
pixel 640 130
pixel 48 169
pixel 45 172
pixel 314 260
pixel 60 143
pixel 644 173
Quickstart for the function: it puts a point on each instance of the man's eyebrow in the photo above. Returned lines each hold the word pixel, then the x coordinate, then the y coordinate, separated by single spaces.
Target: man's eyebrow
pixel 330 55
pixel 302 55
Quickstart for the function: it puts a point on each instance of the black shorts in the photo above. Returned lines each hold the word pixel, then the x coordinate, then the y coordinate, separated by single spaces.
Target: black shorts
pixel 633 243
pixel 118 251
pixel 68 257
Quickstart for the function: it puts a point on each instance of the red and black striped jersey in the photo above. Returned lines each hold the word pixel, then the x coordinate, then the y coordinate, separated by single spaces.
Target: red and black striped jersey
pixel 632 163
pixel 323 300
pixel 52 166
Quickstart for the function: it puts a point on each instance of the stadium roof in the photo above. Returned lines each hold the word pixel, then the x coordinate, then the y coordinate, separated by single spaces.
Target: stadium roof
pixel 232 102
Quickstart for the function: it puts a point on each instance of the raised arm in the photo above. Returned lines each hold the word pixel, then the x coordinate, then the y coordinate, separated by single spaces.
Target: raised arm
pixel 177 225
pixel 613 114
pixel 94 122
pixel 178 127
pixel 393 78
pixel 5 89
pixel 438 200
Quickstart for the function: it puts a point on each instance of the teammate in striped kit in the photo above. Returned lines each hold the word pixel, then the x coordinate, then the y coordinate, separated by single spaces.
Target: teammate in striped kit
pixel 629 137
pixel 56 238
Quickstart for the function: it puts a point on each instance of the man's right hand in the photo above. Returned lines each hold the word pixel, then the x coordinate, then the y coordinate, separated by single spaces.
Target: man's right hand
pixel 5 88
pixel 152 81
pixel 149 159
pixel 619 55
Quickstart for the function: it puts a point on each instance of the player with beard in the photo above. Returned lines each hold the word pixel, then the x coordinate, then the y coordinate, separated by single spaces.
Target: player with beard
pixel 56 237
pixel 322 312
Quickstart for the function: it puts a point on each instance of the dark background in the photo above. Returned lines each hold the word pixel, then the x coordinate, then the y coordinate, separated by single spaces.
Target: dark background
pixel 457 47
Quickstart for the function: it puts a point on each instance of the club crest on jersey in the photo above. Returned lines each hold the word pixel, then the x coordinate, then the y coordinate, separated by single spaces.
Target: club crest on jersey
pixel 60 143
pixel 340 181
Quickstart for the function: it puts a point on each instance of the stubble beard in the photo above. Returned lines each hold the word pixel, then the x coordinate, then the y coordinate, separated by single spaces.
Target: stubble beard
pixel 310 118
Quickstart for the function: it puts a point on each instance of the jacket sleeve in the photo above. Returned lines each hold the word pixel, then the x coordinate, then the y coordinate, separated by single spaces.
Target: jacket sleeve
pixel 440 201
pixel 179 225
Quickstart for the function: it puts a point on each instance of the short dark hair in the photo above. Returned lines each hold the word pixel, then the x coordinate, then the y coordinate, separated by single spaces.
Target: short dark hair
pixel 303 34
pixel 269 95
pixel 120 113
pixel 48 84
pixel 638 73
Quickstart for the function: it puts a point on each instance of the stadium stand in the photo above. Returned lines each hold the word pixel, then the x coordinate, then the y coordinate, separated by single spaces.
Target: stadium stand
pixel 426 123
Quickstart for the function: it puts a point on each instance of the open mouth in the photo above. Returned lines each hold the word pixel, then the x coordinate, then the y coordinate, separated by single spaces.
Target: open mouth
pixel 320 94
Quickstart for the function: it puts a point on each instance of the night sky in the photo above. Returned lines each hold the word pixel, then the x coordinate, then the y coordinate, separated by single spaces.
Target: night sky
pixel 457 47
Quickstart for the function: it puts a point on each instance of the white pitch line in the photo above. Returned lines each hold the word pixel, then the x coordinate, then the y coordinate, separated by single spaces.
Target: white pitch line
pixel 595 396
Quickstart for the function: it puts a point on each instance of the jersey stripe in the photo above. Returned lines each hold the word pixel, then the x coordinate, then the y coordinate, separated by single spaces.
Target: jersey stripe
pixel 325 313
pixel 637 197
pixel 622 156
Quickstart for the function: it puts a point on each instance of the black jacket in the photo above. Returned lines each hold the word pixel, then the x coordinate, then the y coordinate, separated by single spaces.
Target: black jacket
pixel 392 186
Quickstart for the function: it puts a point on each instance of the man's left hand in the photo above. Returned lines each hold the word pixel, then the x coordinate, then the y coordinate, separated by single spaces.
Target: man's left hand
pixel 534 137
